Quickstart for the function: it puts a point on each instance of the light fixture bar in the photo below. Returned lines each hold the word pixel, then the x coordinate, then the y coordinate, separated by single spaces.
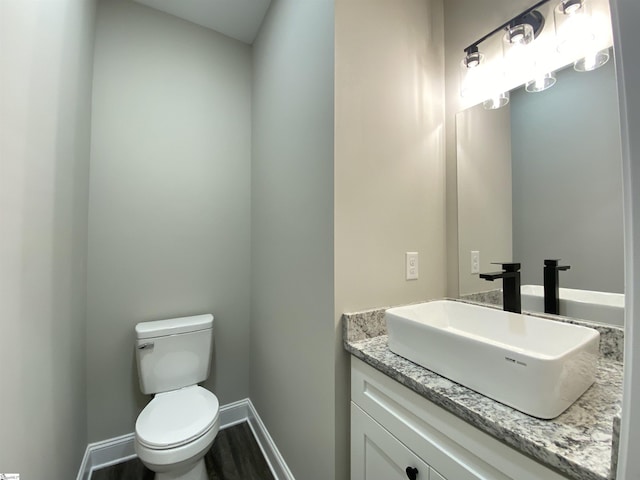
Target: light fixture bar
pixel 504 25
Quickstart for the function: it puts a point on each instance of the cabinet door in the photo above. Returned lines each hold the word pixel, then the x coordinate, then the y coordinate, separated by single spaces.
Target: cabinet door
pixel 435 475
pixel 378 455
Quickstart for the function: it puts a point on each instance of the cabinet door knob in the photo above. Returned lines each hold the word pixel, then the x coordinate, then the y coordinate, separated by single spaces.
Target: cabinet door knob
pixel 412 473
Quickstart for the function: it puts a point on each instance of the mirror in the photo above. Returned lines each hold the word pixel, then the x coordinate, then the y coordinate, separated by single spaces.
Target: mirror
pixel 542 179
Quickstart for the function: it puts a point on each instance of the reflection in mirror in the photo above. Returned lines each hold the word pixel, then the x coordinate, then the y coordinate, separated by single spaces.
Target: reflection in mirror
pixel 542 179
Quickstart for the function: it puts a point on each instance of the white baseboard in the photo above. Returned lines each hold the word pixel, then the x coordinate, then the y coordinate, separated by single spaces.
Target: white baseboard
pixel 105 453
pixel 271 453
pixel 120 449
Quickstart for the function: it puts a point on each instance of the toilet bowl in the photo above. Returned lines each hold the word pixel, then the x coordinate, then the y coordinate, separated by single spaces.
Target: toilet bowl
pixel 179 425
pixel 175 431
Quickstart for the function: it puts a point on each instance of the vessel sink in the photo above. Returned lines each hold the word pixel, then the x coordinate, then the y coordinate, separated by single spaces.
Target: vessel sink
pixel 600 307
pixel 534 365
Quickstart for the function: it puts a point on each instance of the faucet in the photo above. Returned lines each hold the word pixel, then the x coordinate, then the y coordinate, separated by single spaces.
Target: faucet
pixel 552 285
pixel 510 276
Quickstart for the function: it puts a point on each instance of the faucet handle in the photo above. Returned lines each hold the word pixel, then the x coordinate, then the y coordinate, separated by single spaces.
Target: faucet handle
pixel 508 266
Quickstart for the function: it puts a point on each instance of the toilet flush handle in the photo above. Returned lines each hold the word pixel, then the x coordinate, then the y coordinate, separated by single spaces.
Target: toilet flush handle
pixel 144 346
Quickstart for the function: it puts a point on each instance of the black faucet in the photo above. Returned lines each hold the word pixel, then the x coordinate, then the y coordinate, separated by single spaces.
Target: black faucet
pixel 510 276
pixel 552 285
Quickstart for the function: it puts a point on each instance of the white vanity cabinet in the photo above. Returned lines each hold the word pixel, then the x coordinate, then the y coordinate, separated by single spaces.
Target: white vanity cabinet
pixel 393 428
pixel 375 453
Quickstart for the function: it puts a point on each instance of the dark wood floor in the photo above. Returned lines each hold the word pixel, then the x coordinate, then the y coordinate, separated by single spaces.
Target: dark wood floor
pixel 235 455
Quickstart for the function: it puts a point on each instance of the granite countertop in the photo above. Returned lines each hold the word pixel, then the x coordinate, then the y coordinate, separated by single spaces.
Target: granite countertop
pixel 578 443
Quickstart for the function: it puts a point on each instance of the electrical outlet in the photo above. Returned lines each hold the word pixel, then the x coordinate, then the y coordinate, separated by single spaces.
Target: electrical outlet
pixel 475 261
pixel 412 265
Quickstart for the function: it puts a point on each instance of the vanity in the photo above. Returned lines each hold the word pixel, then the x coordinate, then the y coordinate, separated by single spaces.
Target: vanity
pixel 409 422
pixel 537 180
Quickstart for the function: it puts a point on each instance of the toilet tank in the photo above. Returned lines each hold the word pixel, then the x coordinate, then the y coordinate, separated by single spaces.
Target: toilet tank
pixel 173 353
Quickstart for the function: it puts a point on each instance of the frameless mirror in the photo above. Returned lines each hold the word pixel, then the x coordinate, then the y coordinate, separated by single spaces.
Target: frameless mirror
pixel 542 179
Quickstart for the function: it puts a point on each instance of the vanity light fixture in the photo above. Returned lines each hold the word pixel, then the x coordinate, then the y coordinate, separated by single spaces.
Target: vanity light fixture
pixel 516 31
pixel 519 31
pixel 509 56
pixel 541 83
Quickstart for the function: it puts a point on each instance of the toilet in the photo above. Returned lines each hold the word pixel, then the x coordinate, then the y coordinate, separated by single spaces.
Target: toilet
pixel 178 426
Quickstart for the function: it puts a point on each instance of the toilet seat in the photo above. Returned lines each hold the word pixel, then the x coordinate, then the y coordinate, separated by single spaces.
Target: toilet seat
pixel 177 418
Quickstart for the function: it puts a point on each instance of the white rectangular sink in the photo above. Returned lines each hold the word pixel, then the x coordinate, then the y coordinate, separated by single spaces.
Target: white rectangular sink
pixel 534 365
pixel 600 307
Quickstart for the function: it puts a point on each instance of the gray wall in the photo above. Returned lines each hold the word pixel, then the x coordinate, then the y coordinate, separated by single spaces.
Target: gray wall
pixel 46 53
pixel 292 330
pixel 169 212
pixel 567 180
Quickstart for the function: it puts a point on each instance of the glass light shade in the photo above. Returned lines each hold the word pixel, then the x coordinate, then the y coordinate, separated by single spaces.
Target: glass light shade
pixel 591 61
pixel 574 26
pixel 569 7
pixel 497 101
pixel 472 59
pixel 541 83
pixel 472 74
pixel 518 54
pixel 521 34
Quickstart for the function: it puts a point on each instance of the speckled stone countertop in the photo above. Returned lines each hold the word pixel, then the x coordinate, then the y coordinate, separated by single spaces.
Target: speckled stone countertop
pixel 578 443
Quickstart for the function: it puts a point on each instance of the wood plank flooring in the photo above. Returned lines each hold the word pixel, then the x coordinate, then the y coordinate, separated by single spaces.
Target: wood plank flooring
pixel 235 455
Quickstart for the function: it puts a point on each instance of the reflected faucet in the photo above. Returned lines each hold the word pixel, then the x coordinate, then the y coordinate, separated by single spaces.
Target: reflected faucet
pixel 552 285
pixel 510 276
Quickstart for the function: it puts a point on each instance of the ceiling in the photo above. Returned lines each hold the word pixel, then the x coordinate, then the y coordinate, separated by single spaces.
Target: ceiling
pixel 239 19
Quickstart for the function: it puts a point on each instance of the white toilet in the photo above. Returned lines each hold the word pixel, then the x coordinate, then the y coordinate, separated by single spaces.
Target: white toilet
pixel 179 425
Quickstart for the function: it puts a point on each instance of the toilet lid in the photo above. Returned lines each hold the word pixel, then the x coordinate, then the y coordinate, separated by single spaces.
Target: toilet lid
pixel 174 418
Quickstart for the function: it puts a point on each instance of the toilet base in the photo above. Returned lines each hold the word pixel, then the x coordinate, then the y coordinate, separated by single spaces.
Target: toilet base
pixel 196 472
